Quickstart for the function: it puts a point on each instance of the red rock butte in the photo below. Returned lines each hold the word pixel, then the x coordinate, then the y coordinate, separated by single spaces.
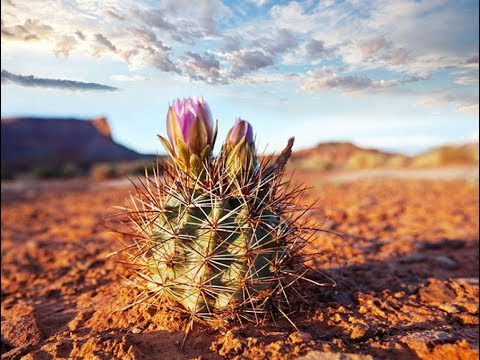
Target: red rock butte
pixel 28 141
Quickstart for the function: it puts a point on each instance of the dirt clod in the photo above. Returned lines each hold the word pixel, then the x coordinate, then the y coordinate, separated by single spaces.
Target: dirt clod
pixel 21 331
pixel 358 332
pixel 436 292
pixel 299 337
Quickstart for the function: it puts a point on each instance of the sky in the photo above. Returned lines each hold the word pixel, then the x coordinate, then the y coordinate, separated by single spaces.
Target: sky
pixel 396 75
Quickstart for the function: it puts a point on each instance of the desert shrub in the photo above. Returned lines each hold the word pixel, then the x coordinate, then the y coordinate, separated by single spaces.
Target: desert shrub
pixel 365 160
pixel 447 155
pixel 316 162
pixel 51 171
pixel 397 161
pixel 46 171
pixel 136 167
pixel 103 171
pixel 70 170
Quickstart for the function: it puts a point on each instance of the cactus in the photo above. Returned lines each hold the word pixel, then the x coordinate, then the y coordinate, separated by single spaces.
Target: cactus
pixel 216 235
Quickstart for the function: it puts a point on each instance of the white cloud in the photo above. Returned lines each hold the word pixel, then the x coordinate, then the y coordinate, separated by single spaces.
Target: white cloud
pixel 204 67
pixel 245 61
pixel 313 51
pixel 467 80
pixel 213 43
pixel 259 3
pixel 65 45
pixel 127 78
pixel 325 78
pixel 385 34
pixel 465 103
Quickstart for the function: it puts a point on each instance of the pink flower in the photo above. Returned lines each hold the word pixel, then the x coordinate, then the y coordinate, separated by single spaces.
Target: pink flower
pixel 189 121
pixel 241 129
pixel 239 150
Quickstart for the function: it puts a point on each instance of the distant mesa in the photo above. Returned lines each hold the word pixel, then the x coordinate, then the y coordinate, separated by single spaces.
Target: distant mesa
pixel 38 144
pixel 342 155
pixel 32 141
pixel 102 126
pixel 347 156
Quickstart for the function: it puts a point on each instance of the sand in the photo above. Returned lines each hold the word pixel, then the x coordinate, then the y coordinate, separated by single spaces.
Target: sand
pixel 406 271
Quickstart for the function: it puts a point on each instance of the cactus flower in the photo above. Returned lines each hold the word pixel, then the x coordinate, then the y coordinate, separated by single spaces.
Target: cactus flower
pixel 190 132
pixel 240 149
pixel 190 121
pixel 241 129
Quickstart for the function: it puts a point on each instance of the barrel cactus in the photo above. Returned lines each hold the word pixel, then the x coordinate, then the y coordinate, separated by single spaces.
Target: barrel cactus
pixel 216 235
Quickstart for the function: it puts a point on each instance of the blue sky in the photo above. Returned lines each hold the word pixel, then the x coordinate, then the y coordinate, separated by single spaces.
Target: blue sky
pixel 396 75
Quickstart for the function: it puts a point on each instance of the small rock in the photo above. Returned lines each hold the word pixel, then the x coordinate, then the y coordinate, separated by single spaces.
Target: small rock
pixel 299 337
pixel 358 332
pixel 422 340
pixel 229 346
pixel 337 318
pixel 448 308
pixel 431 344
pixel 412 258
pixel 467 319
pixel 436 292
pixel 469 281
pixel 362 310
pixel 446 262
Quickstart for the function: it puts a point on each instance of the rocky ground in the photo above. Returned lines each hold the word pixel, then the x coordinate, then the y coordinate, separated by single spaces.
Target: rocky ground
pixel 406 271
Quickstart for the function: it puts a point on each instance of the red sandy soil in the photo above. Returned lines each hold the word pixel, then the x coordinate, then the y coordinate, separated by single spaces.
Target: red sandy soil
pixel 406 272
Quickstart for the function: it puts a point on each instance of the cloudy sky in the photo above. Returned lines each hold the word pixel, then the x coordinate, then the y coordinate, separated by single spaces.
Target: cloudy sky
pixel 398 75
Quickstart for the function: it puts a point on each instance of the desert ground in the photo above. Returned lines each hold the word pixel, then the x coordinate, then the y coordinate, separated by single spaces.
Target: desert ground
pixel 406 271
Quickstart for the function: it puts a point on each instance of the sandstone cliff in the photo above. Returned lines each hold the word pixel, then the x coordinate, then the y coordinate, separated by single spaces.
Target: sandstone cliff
pixel 27 142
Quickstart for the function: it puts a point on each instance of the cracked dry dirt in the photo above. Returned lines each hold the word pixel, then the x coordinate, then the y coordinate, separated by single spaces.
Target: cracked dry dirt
pixel 407 274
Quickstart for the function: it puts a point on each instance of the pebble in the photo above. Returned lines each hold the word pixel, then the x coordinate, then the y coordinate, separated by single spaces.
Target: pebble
pixel 427 337
pixel 446 262
pixel 448 308
pixel 337 318
pixel 422 342
pixel 436 292
pixel 358 332
pixel 362 310
pixel 467 319
pixel 299 337
pixel 469 281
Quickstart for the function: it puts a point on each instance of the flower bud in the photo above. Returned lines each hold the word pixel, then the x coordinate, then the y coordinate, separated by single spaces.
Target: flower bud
pixel 240 130
pixel 190 132
pixel 240 149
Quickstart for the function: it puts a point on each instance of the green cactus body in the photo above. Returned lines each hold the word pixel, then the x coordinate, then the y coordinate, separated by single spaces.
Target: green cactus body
pixel 216 235
pixel 208 253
